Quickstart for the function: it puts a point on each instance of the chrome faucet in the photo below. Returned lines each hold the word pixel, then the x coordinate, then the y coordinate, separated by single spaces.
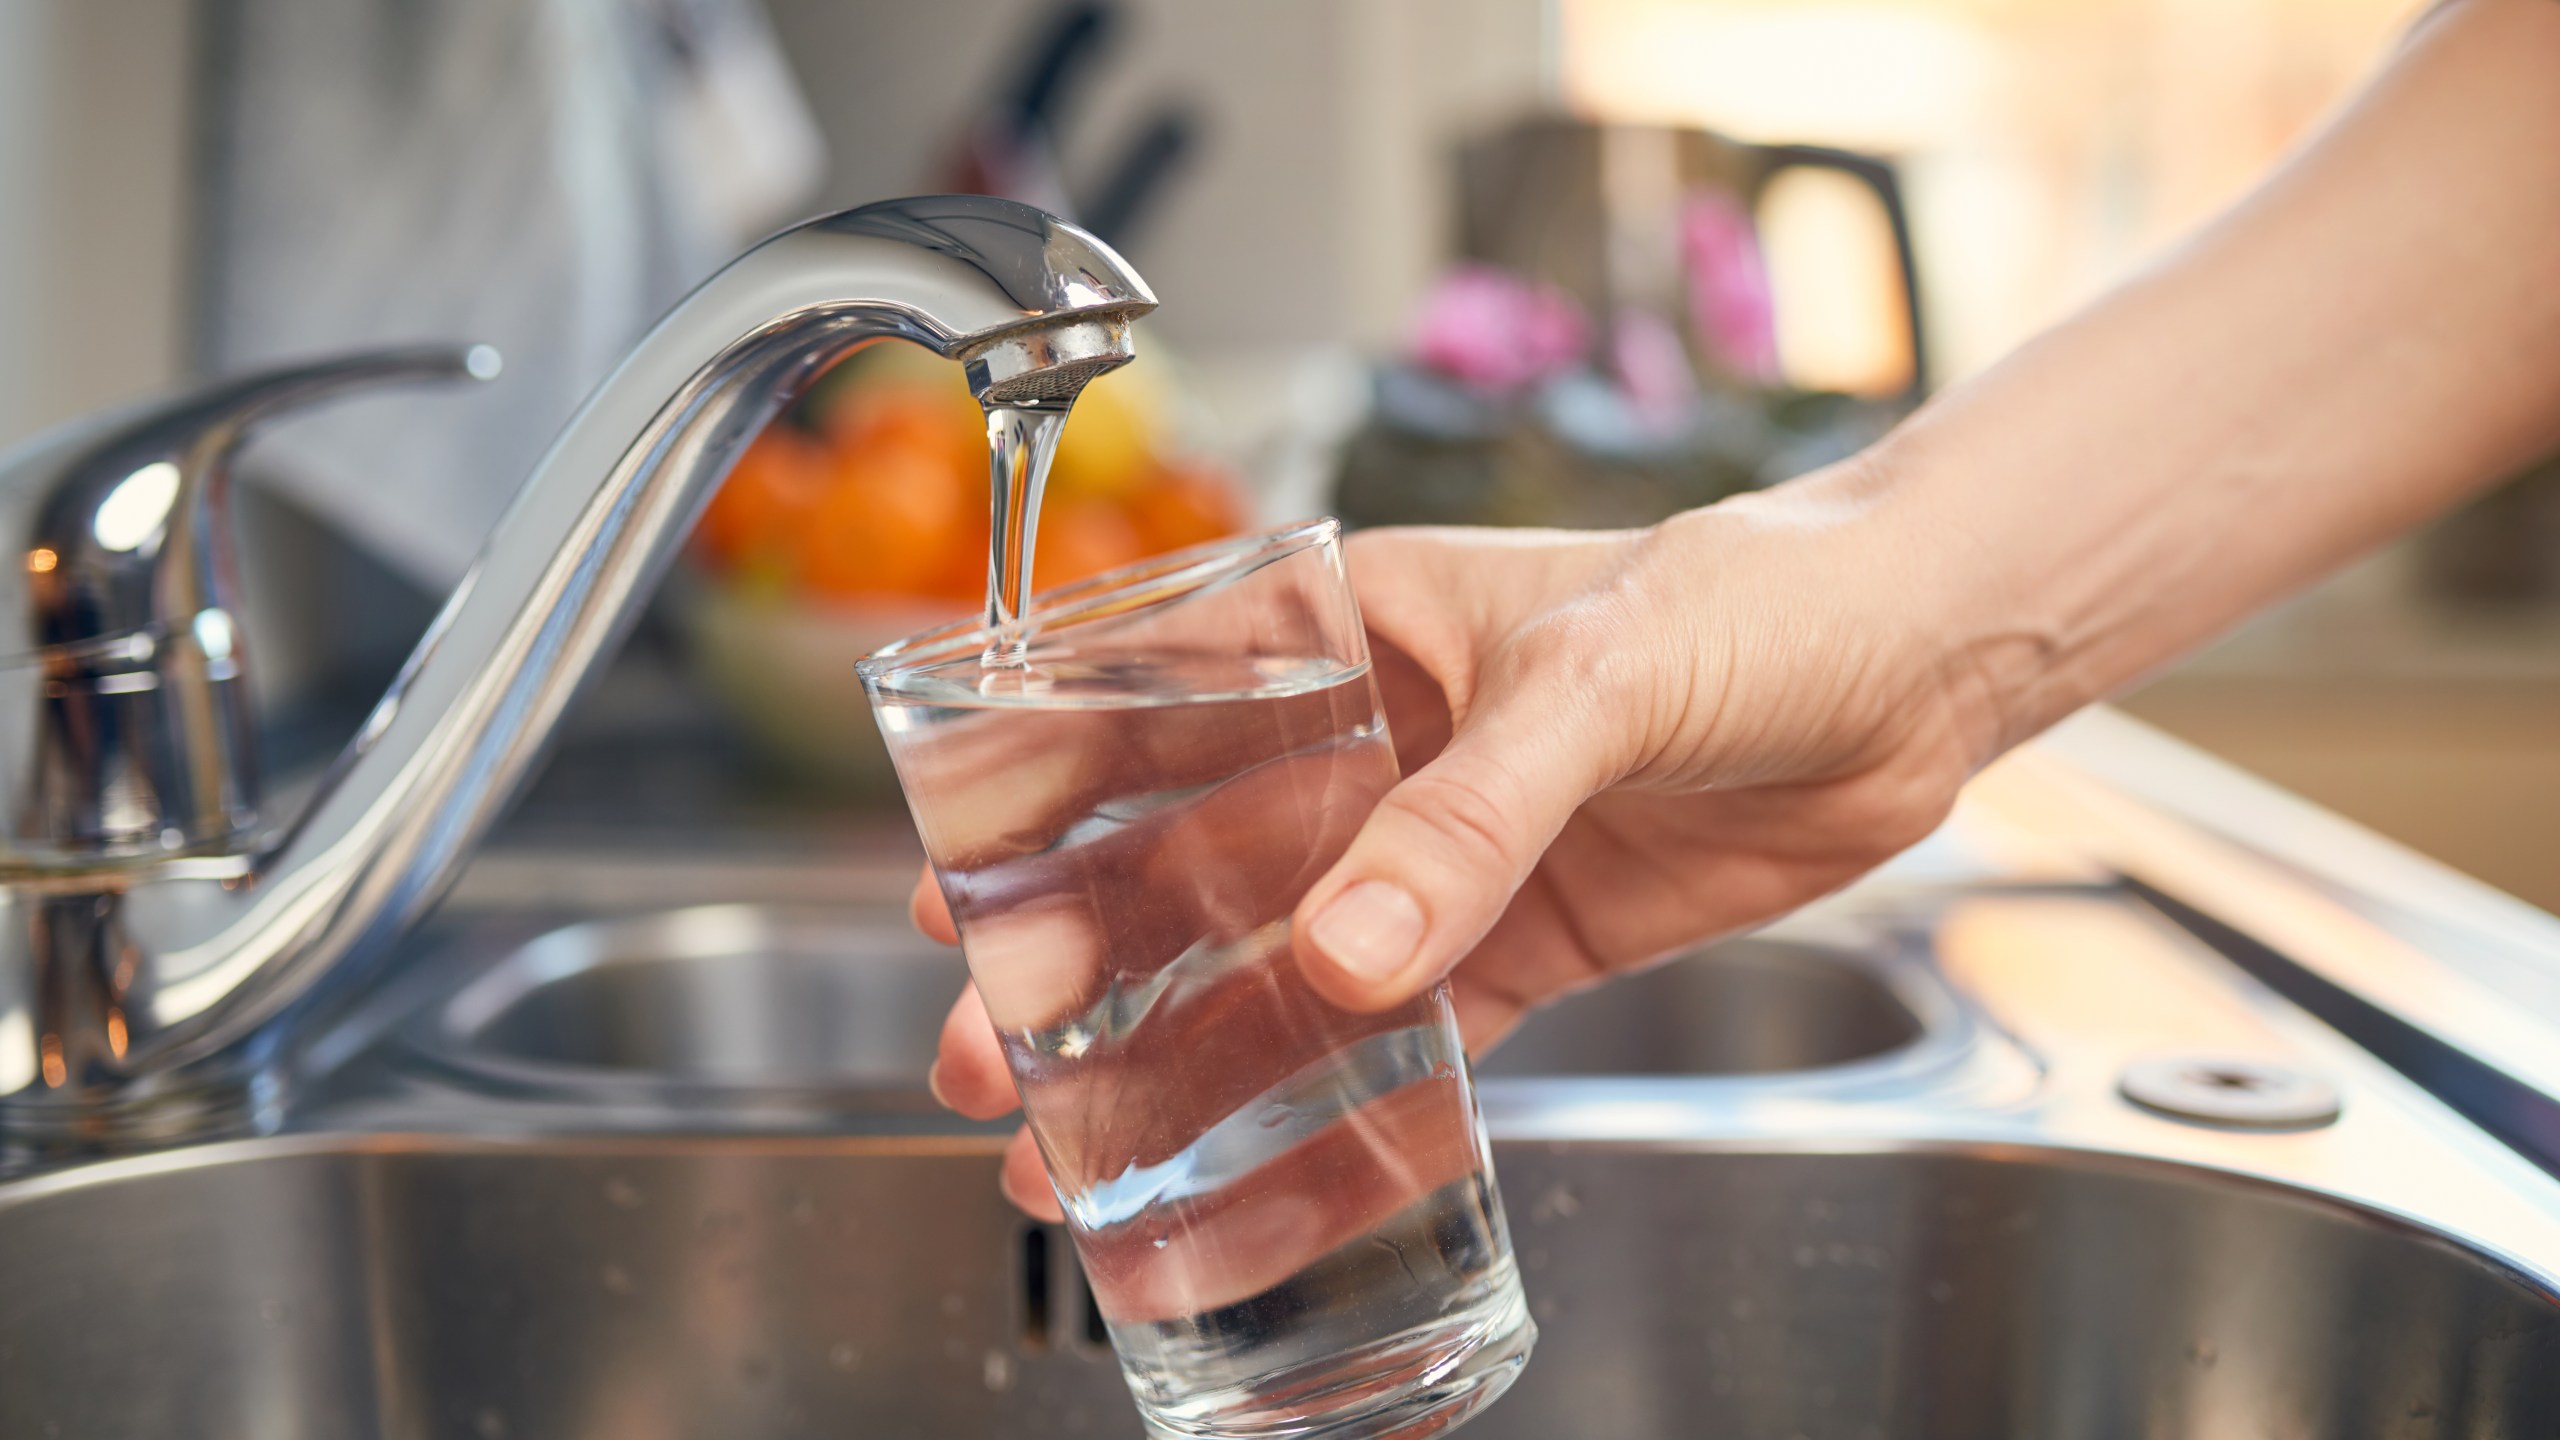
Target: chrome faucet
pixel 158 940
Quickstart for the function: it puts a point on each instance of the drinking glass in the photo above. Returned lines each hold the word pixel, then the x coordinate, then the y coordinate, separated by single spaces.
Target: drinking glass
pixel 1285 1210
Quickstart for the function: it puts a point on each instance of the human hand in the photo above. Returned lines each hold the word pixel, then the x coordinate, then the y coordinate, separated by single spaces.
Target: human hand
pixel 1621 744
pixel 1616 745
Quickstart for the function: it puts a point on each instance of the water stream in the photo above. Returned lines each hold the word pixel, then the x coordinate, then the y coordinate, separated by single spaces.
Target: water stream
pixel 1021 441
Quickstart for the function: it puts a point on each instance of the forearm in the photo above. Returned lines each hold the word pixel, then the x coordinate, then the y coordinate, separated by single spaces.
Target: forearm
pixel 2367 339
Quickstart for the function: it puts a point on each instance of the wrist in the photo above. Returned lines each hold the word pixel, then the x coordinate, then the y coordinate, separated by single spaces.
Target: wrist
pixel 1820 635
pixel 1930 577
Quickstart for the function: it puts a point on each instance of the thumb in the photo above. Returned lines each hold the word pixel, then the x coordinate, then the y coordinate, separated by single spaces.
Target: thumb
pixel 1437 862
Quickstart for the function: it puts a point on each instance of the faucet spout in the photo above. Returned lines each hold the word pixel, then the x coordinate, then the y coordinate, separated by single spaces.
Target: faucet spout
pixel 198 958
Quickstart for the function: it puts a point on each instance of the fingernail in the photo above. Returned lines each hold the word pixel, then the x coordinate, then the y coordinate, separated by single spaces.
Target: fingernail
pixel 1371 930
pixel 933 1082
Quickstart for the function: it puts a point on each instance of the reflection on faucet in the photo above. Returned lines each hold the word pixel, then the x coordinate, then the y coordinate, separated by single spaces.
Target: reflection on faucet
pixel 154 938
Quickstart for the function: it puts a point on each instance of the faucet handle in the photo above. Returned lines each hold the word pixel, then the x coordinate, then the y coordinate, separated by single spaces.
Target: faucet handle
pixel 125 725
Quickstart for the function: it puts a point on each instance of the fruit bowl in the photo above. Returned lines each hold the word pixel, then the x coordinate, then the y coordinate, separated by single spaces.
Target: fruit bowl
pixel 783 670
pixel 860 515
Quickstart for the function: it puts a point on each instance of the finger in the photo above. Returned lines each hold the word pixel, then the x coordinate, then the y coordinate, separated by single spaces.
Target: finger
pixel 969 1073
pixel 1025 1180
pixel 1417 709
pixel 930 912
pixel 1436 862
pixel 1485 1017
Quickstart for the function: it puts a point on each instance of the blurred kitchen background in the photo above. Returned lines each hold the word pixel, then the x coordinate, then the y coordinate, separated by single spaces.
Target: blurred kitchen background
pixel 1496 261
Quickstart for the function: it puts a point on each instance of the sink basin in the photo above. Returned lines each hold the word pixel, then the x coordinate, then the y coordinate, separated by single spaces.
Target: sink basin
pixel 407 1287
pixel 712 996
pixel 1745 1007
pixel 741 997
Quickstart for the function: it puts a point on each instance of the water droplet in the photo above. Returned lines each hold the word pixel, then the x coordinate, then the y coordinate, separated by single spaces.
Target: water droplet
pixel 1941 1291
pixel 952 1304
pixel 2203 1354
pixel 804 1210
pixel 618 1280
pixel 1744 1308
pixel 1838 1254
pixel 1807 1257
pixel 997 1371
pixel 843 1356
pixel 621 1194
pixel 1161 1241
pixel 489 1425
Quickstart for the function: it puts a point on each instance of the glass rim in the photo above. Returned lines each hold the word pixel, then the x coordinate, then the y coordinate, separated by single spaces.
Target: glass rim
pixel 1132 588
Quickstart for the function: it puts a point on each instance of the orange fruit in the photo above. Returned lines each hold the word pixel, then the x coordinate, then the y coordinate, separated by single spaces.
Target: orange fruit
pixel 1186 504
pixel 767 497
pixel 961 571
pixel 1080 538
pixel 901 395
pixel 885 525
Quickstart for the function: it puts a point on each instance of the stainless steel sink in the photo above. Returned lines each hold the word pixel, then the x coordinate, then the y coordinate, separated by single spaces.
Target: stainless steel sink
pixel 849 999
pixel 721 997
pixel 670 1172
pixel 408 1287
pixel 1753 1006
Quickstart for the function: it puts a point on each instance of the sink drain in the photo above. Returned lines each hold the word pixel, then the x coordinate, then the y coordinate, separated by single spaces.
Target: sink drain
pixel 2229 1090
